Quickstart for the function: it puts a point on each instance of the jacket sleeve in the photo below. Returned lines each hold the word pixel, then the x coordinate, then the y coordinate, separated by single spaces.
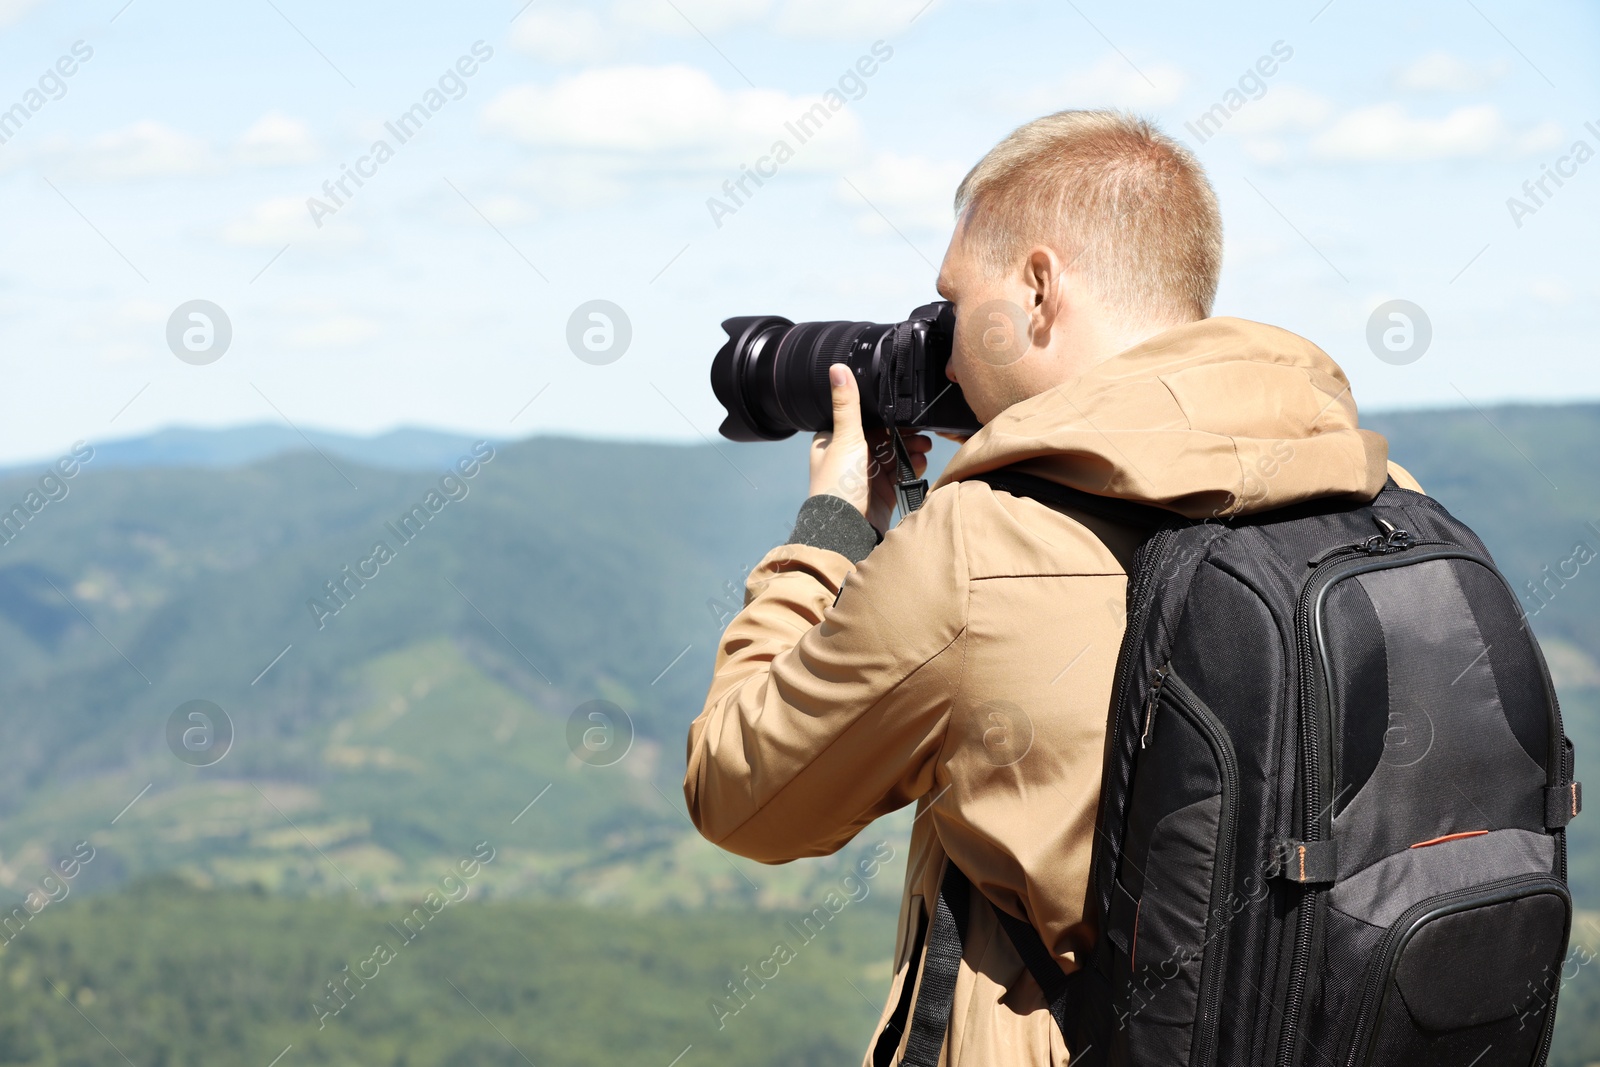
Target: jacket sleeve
pixel 824 715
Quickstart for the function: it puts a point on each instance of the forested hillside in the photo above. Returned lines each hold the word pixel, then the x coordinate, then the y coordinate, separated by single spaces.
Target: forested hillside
pixel 403 659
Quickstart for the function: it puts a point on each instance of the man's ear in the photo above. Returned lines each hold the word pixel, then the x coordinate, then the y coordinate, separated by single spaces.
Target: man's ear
pixel 1046 281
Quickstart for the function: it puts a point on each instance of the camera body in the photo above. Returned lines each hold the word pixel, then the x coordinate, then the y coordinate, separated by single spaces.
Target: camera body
pixel 772 374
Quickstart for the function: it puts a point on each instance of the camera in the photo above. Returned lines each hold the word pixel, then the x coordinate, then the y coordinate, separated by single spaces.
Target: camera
pixel 772 374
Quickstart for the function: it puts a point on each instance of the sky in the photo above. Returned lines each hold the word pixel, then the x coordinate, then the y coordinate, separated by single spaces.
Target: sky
pixel 538 157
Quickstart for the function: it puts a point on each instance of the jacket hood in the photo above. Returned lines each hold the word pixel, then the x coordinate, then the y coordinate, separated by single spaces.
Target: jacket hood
pixel 1220 417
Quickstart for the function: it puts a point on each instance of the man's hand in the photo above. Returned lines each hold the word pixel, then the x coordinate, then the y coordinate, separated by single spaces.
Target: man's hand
pixel 848 463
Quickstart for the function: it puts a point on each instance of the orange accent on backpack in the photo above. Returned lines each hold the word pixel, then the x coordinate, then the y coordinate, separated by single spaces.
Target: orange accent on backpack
pixel 1449 837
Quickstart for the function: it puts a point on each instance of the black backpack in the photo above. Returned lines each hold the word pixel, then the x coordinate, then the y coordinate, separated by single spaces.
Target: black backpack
pixel 1331 827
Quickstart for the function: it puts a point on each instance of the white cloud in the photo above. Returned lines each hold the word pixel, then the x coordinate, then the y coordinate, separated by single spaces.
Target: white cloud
pixel 335 331
pixel 128 330
pixel 507 210
pixel 276 140
pixel 1282 109
pixel 501 209
pixel 845 19
pixel 148 149
pixel 563 35
pixel 911 191
pixel 665 114
pixel 284 220
pixel 1111 82
pixel 1387 133
pixel 691 18
pixel 1265 150
pixel 12 10
pixel 1544 137
pixel 567 33
pixel 603 132
pixel 1551 290
pixel 143 150
pixel 1441 72
pixel 577 180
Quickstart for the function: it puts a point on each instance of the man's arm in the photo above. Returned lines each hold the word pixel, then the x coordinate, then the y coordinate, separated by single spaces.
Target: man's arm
pixel 822 716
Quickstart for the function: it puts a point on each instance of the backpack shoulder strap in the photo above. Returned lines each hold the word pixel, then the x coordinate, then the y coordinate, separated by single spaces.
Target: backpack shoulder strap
pixel 1115 509
pixel 941 961
pixel 1067 995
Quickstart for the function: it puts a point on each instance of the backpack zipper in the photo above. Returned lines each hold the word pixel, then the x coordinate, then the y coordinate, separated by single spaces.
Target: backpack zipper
pixel 1133 632
pixel 1156 681
pixel 1310 828
pixel 1214 960
pixel 1393 540
pixel 1549 1023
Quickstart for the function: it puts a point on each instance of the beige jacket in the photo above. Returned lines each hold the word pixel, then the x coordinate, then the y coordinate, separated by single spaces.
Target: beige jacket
pixel 967 663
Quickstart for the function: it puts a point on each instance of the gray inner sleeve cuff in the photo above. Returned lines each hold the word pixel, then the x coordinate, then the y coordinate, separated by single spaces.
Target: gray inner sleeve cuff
pixel 833 523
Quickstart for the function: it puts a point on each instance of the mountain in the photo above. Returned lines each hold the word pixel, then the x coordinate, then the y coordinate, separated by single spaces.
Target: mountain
pixel 396 718
pixel 409 658
pixel 178 446
pixel 441 699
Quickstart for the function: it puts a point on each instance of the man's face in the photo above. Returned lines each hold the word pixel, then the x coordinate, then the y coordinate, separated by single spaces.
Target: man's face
pixel 993 359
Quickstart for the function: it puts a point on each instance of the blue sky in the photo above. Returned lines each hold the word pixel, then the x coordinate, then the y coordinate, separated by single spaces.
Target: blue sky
pixel 576 162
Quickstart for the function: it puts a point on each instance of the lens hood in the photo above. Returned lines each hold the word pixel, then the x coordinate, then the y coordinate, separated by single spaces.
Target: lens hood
pixel 731 367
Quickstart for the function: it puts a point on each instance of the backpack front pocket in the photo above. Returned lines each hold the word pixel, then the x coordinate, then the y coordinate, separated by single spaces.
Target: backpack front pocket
pixel 1168 921
pixel 1467 977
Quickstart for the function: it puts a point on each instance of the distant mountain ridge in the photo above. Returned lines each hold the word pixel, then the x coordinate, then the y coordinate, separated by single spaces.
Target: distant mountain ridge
pixel 405 448
pixel 437 706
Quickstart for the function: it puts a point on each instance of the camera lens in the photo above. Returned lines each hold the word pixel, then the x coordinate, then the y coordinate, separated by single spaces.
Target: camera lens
pixel 772 375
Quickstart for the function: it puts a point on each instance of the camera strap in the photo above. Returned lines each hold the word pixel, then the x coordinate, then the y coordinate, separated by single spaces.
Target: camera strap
pixel 909 490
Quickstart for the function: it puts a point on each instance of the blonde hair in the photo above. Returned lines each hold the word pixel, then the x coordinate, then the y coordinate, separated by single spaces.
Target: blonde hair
pixel 1125 204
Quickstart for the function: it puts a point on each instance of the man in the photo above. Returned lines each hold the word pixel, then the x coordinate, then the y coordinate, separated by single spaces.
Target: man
pixel 966 662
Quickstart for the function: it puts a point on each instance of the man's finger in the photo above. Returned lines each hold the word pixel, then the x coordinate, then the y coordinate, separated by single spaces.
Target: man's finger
pixel 846 401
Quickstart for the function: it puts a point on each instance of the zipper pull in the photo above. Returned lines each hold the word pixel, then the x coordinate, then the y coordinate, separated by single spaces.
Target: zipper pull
pixel 1156 682
pixel 1393 539
pixel 1338 550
